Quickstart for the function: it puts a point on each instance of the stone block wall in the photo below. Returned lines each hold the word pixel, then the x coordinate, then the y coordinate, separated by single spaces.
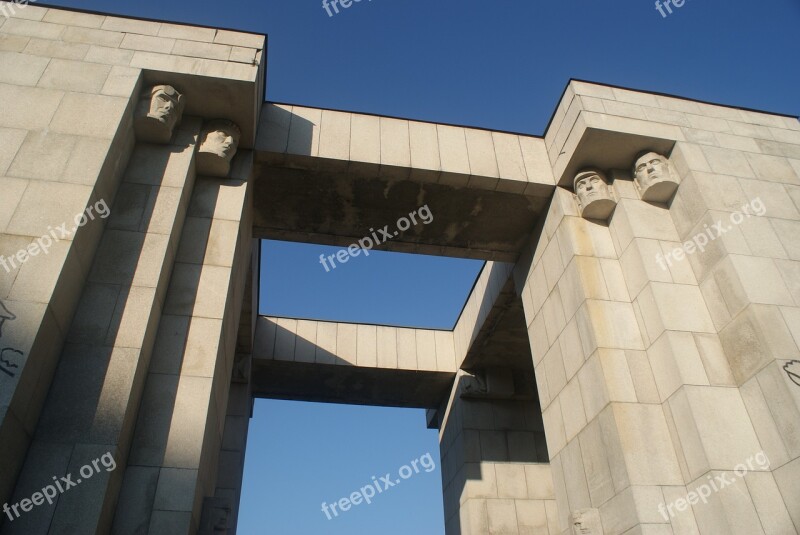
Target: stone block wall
pixel 495 474
pixel 80 322
pixel 659 371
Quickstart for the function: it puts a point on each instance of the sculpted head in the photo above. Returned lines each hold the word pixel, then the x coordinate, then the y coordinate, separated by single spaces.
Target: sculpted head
pixel 590 184
pixel 654 178
pixel 158 112
pixel 220 137
pixel 650 168
pixel 219 141
pixel 594 195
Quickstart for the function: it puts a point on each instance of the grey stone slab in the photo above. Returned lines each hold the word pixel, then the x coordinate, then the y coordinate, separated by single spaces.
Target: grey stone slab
pixel 33 28
pixel 26 107
pixel 89 115
pixel 21 69
pixel 92 36
pixel 74 76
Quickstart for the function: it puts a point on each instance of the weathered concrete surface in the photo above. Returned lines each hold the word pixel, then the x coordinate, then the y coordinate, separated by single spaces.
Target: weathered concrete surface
pixel 336 209
pixel 329 177
pixel 353 385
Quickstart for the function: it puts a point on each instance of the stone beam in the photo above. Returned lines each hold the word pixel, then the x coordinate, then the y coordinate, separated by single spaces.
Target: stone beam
pixel 375 364
pixel 330 177
pixel 351 363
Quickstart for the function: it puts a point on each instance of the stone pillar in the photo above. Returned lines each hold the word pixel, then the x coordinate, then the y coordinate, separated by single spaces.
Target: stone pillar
pixel 663 374
pixel 94 398
pixel 747 203
pixel 494 463
pixel 607 436
pixel 693 380
pixel 179 434
pixel 710 271
pixel 230 468
pixel 61 153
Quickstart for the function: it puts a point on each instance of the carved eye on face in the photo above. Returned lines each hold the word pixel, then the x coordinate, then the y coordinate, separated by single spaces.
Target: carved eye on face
pixel 164 101
pixel 592 183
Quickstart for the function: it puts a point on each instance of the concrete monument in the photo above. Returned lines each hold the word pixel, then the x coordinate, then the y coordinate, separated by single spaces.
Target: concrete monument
pixel 597 379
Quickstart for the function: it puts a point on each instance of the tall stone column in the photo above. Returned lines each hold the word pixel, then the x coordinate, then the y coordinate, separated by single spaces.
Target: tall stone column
pixel 179 434
pixel 494 470
pixel 607 436
pixel 94 398
pixel 63 149
pixel 746 203
pixel 221 511
pixel 640 394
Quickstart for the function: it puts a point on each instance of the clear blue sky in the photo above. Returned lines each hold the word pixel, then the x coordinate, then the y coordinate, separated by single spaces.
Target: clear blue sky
pixel 499 65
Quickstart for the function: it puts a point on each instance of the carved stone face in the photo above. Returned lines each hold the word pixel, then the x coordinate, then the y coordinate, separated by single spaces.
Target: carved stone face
pixel 594 195
pixel 220 138
pixel 590 185
pixel 651 168
pixel 159 111
pixel 218 144
pixel 164 103
pixel 654 177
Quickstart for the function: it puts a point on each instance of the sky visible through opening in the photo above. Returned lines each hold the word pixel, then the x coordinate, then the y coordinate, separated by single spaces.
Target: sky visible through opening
pixel 386 288
pixel 498 65
pixel 300 455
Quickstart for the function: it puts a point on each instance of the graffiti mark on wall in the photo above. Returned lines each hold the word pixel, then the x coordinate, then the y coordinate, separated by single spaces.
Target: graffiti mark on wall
pixel 7 365
pixel 792 369
pixel 9 357
pixel 5 315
